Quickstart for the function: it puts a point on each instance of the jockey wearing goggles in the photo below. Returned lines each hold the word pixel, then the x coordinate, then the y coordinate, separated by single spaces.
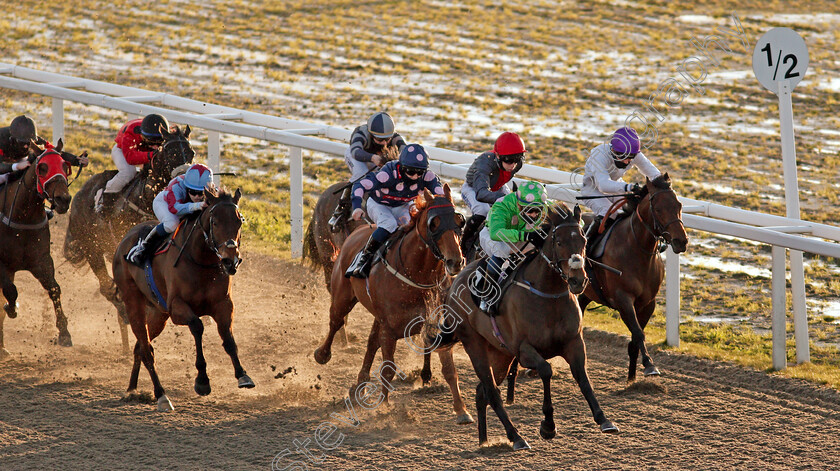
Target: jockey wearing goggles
pixel 392 191
pixel 511 225
pixel 606 164
pixel 136 142
pixel 367 146
pixel 487 179
pixel 183 196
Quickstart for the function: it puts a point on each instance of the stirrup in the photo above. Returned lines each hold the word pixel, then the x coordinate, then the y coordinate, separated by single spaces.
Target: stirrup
pixel 355 266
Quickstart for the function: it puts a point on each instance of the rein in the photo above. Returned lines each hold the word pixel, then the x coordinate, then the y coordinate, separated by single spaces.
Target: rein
pixel 40 190
pixel 658 231
pixel 209 239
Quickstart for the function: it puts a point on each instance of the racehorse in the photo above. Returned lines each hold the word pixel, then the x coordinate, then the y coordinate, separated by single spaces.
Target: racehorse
pixel 418 264
pixel 91 236
pixel 631 248
pixel 539 318
pixel 25 231
pixel 189 280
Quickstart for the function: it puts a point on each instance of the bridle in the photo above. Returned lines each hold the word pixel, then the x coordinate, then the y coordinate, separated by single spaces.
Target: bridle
pixel 576 260
pixel 183 149
pixel 440 207
pixel 210 236
pixel 659 231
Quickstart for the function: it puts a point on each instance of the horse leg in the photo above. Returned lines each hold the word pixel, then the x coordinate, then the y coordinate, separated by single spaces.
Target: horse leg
pixel 135 370
pixel 389 346
pixel 4 280
pixel 45 274
pixel 447 367
pixel 575 355
pixel 487 392
pixel 583 301
pixel 135 305
pixel 426 372
pixel 108 289
pixel 185 315
pixel 644 315
pixel 224 322
pixel 514 369
pixel 637 335
pixel 10 292
pixel 530 358
pixel 370 353
pixel 343 301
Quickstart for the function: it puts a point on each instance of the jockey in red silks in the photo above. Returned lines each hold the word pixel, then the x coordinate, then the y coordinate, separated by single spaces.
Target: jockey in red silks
pixel 136 142
pixel 183 196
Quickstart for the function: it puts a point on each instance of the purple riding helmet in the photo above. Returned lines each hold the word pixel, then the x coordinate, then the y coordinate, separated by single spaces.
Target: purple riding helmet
pixel 624 143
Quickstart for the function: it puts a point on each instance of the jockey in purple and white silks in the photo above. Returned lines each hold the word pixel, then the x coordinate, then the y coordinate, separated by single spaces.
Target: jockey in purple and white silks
pixel 392 190
pixel 606 164
pixel 364 154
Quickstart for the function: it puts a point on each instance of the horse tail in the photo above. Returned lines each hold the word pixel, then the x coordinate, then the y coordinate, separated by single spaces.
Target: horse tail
pixel 72 252
pixel 310 248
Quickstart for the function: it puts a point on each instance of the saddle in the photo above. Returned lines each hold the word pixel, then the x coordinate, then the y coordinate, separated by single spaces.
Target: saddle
pixel 476 283
pixel 165 244
pixel 131 196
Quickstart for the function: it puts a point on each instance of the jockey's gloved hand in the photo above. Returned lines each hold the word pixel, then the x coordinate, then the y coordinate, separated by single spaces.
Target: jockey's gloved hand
pixel 20 165
pixel 357 214
pixel 535 238
pixel 635 188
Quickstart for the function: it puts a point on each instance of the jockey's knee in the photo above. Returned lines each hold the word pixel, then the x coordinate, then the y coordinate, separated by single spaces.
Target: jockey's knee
pixel 166 227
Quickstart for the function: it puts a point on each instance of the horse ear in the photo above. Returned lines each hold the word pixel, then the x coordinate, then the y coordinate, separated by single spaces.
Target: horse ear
pixel 187 131
pixel 60 144
pixel 237 195
pixel 577 212
pixel 164 132
pixel 447 192
pixel 209 196
pixel 427 196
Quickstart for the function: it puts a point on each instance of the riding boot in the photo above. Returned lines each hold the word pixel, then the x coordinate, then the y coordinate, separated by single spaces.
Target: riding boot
pixel 363 262
pixel 139 253
pixel 592 230
pixel 337 220
pixel 470 230
pixel 490 301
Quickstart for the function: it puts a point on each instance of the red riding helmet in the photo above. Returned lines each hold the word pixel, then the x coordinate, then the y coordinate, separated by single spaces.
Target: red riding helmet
pixel 509 143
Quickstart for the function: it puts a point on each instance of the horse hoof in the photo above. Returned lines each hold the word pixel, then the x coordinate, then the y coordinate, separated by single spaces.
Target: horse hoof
pixel 4 354
pixel 64 340
pixel 509 401
pixel 246 382
pixel 11 311
pixel 546 432
pixel 652 371
pixel 463 419
pixel 202 389
pixel 321 357
pixel 521 444
pixel 608 427
pixel 164 405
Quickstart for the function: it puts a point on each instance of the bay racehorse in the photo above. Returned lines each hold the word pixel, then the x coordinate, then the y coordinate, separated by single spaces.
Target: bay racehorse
pixel 418 264
pixel 632 249
pixel 191 279
pixel 25 231
pixel 539 318
pixel 92 237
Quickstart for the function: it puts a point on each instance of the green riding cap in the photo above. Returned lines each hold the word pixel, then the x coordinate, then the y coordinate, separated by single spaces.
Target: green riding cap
pixel 531 194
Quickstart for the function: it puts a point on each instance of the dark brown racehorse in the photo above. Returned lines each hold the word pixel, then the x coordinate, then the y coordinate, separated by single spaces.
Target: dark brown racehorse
pixel 424 258
pixel 92 237
pixel 191 284
pixel 539 318
pixel 632 249
pixel 25 232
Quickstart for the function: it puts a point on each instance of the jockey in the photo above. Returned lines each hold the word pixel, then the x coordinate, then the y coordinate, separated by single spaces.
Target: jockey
pixel 487 179
pixel 365 152
pixel 606 164
pixel 14 145
pixel 512 220
pixel 183 196
pixel 392 191
pixel 136 142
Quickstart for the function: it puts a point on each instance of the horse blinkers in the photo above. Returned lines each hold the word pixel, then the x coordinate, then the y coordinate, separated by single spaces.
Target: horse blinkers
pixel 442 211
pixel 51 166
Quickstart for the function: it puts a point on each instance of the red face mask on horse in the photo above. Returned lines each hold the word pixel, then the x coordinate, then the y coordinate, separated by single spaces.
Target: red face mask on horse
pixel 50 165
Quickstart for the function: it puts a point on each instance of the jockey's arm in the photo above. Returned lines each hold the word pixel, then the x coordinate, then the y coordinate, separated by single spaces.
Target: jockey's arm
pixel 499 226
pixel 357 146
pixel 645 166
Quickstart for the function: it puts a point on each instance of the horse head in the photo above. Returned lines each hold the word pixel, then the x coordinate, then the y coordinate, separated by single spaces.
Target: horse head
pixel 666 212
pixel 49 171
pixel 439 227
pixel 175 152
pixel 222 226
pixel 566 245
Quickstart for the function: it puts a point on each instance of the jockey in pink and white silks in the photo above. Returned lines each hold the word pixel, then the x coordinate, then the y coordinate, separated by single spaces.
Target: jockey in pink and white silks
pixel 183 195
pixel 606 164
pixel 392 191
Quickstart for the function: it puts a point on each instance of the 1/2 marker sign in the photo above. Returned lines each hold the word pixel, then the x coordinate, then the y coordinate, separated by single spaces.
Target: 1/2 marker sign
pixel 781 54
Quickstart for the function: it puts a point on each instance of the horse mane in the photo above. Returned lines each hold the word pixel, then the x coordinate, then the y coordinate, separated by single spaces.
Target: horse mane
pixel 663 182
pixel 221 193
